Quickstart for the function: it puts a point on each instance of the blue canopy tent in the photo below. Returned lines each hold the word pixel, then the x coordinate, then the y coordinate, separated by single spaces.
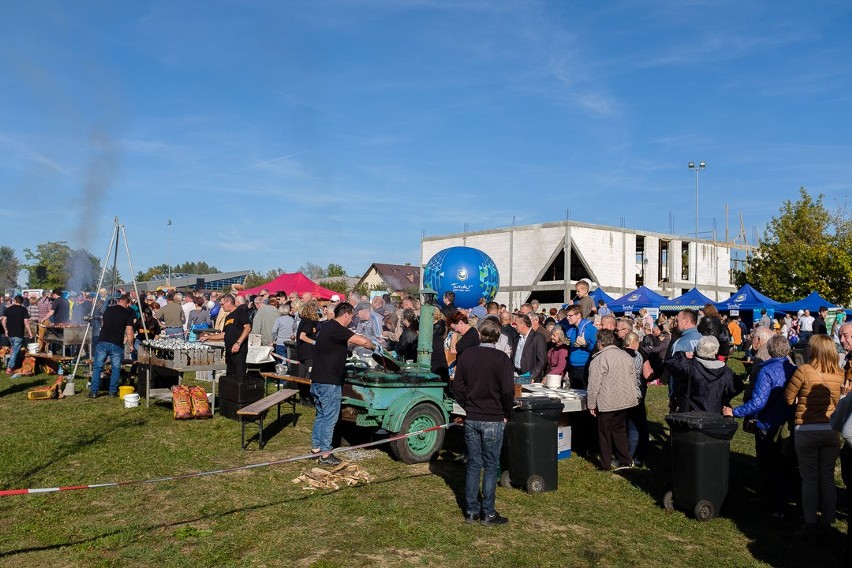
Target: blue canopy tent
pixel 747 299
pixel 598 294
pixel 692 300
pixel 812 302
pixel 639 298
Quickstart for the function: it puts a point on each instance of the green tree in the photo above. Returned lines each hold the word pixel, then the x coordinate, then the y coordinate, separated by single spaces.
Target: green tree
pixel 63 267
pixel 9 267
pixel 46 265
pixel 338 285
pixel 805 248
pixel 149 274
pixel 334 270
pixel 197 267
pixel 259 278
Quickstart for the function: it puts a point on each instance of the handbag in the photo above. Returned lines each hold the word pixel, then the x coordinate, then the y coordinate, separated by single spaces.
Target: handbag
pixel 749 425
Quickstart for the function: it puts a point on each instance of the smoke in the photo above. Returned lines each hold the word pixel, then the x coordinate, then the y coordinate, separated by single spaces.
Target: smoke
pixel 101 170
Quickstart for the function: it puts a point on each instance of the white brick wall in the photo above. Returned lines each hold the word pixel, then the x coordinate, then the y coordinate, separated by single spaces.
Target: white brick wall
pixel 609 252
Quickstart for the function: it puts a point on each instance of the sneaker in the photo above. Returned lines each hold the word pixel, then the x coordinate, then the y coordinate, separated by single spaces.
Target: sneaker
pixel 8 371
pixel 471 518
pixel 493 519
pixel 330 459
pixel 92 395
pixel 113 395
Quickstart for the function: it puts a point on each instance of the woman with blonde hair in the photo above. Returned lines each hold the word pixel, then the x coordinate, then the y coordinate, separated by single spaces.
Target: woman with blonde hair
pixel 815 388
pixel 306 337
pixel 557 352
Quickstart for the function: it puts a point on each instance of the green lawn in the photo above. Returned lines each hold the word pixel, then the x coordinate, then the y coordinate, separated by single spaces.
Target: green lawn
pixel 407 516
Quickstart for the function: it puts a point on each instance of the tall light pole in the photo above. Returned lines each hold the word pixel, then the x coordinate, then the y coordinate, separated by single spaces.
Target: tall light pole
pixel 169 281
pixel 697 169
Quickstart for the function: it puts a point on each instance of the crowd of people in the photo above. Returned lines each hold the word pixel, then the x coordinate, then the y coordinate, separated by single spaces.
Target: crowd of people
pixel 790 409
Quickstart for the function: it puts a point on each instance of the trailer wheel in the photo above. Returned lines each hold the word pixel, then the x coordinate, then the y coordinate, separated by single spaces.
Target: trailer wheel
pixel 535 484
pixel 704 510
pixel 419 448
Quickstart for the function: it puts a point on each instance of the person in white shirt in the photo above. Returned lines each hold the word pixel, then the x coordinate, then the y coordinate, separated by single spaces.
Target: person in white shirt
pixel 806 326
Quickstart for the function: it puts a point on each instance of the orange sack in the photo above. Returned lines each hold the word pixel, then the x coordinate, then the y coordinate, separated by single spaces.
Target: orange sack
pixel 200 404
pixel 181 403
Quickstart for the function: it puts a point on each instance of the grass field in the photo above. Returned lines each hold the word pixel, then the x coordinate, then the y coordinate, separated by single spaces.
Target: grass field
pixel 407 516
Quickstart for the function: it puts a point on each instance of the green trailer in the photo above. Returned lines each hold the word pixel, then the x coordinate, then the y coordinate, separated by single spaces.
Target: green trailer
pixel 400 402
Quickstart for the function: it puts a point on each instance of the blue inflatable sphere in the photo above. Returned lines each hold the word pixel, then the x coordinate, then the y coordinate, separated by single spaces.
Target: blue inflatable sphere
pixel 468 272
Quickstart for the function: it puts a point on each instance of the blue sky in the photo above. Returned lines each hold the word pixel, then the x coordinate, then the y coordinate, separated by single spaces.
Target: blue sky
pixel 273 133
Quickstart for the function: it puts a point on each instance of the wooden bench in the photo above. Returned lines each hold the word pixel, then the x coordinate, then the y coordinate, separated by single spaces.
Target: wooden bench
pixel 282 379
pixel 256 412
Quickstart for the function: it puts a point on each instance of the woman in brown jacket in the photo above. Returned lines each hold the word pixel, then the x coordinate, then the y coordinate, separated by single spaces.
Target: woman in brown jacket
pixel 816 388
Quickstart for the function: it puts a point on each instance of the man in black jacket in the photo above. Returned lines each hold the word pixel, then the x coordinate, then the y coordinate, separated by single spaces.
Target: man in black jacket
pixel 703 382
pixel 484 388
pixel 530 350
pixel 819 321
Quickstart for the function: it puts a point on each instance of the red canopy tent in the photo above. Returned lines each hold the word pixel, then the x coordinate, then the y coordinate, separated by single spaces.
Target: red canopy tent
pixel 295 281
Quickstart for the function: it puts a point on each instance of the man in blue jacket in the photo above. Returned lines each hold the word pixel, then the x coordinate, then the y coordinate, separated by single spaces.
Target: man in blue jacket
pixel 770 411
pixel 582 336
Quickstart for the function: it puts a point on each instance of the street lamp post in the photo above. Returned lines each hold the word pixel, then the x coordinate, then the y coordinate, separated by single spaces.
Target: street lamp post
pixel 697 169
pixel 169 281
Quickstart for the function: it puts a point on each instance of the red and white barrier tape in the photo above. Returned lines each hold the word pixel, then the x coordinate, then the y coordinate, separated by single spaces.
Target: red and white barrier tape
pixel 10 492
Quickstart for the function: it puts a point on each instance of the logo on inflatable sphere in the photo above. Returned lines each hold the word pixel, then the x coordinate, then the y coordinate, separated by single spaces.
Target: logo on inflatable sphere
pixel 466 271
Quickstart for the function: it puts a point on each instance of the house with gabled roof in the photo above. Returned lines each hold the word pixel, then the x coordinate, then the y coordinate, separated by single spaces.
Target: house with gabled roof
pixel 395 278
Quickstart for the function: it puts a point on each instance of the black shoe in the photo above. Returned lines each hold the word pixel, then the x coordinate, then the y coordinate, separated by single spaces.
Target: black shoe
pixel 92 395
pixel 330 459
pixel 471 518
pixel 495 519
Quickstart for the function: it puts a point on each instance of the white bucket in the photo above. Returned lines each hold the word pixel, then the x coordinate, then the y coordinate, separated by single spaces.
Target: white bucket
pixel 553 381
pixel 131 400
pixel 32 348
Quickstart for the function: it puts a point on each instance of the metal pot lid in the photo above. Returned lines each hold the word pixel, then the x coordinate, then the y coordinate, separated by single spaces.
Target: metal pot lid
pixel 387 362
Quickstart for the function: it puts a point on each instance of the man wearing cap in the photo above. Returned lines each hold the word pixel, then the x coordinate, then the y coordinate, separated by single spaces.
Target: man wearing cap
pixel 116 332
pixel 370 324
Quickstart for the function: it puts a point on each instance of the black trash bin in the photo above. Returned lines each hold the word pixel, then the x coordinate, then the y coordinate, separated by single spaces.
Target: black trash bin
pixel 701 446
pixel 531 445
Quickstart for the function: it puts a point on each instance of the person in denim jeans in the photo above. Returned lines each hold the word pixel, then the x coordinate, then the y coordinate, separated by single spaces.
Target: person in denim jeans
pixel 484 388
pixel 16 324
pixel 330 351
pixel 117 331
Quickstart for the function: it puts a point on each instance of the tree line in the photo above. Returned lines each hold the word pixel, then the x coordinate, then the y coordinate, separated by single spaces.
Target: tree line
pixel 807 247
pixel 56 265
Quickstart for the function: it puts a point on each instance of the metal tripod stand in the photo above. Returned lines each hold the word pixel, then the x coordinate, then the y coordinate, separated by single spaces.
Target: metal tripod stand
pixel 113 246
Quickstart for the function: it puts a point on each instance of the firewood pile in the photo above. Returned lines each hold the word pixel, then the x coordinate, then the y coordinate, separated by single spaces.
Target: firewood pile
pixel 343 475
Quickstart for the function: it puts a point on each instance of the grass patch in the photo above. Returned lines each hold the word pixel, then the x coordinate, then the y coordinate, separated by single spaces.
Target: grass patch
pixel 408 516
